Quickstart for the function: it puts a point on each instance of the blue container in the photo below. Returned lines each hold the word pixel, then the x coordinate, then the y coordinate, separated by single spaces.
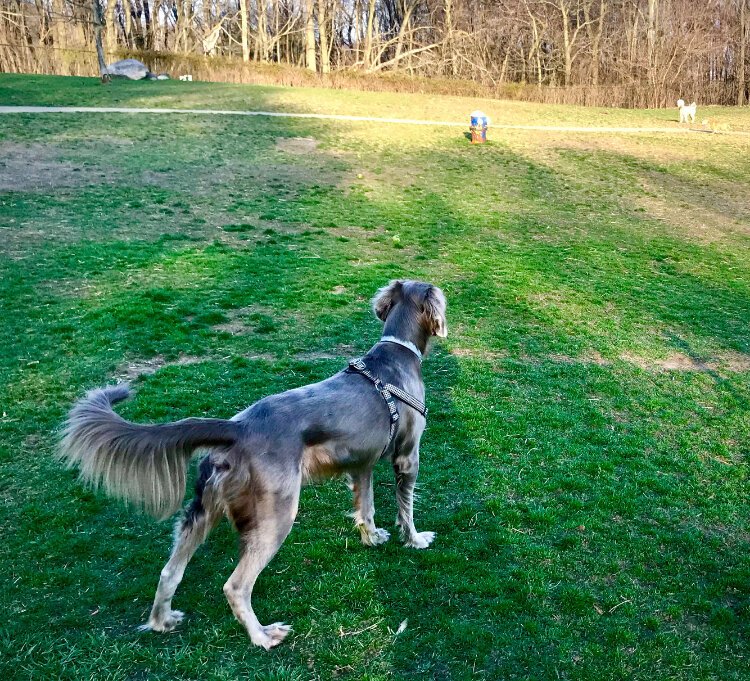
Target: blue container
pixel 479 120
pixel 479 123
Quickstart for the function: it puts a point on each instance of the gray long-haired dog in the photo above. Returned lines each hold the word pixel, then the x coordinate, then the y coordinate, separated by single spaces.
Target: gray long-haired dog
pixel 259 460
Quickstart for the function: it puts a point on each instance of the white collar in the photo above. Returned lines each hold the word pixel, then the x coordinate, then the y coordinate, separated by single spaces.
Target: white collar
pixel 406 344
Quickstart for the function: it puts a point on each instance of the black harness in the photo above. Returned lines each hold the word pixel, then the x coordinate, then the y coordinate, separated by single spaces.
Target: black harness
pixel 387 391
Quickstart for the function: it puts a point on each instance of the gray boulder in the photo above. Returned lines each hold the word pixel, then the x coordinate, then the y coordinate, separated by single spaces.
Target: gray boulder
pixel 133 69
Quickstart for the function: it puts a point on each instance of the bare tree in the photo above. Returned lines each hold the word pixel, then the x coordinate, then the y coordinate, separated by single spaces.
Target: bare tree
pixel 244 31
pixel 97 14
pixel 741 57
pixel 325 64
pixel 309 19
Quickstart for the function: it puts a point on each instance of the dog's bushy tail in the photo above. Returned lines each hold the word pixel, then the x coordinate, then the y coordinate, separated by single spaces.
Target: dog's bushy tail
pixel 143 464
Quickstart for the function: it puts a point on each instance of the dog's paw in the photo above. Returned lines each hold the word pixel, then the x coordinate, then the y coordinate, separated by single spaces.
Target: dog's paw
pixel 379 536
pixel 166 623
pixel 373 538
pixel 421 540
pixel 271 635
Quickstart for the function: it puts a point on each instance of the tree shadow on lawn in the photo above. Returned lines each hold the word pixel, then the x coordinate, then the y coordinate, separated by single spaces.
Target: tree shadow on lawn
pixel 607 464
pixel 538 569
pixel 610 283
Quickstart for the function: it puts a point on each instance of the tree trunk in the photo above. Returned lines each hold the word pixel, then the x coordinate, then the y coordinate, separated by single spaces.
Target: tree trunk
pixel 405 21
pixel 98 23
pixel 309 36
pixel 127 12
pixel 325 64
pixel 595 29
pixel 137 9
pixel 110 30
pixel 58 23
pixel 506 59
pixel 243 29
pixel 535 49
pixel 261 41
pixel 186 25
pixel 567 43
pixel 207 18
pixel 653 19
pixel 149 44
pixel 288 47
pixel 449 52
pixel 357 21
pixel 410 58
pixel 741 84
pixel 367 56
pixel 277 30
pixel 156 27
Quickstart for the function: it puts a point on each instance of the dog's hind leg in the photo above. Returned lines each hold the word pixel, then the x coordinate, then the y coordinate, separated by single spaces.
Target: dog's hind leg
pixel 264 519
pixel 190 533
pixel 364 510
pixel 406 468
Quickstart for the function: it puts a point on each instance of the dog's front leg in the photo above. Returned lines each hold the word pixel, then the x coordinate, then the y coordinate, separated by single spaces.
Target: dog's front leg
pixel 406 468
pixel 364 510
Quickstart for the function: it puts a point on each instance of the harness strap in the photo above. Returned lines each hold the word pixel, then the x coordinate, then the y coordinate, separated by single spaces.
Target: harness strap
pixel 407 399
pixel 387 392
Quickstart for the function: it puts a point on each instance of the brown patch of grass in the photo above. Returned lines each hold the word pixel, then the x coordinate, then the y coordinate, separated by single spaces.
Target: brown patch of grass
pixel 730 361
pixel 688 198
pixel 40 167
pixel 256 319
pixel 296 145
pixel 262 356
pixel 595 357
pixel 238 324
pixel 479 353
pixel 353 232
pixel 134 369
pixel 705 213
pixel 589 357
pixel 674 362
pixel 157 178
pixel 618 144
pixel 235 327
pixel 736 362
pixel 715 457
pixel 388 177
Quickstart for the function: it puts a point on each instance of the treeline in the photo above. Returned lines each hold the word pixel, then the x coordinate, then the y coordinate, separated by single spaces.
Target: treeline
pixel 610 52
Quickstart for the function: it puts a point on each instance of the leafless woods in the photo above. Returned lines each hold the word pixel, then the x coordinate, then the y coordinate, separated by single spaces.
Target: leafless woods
pixel 618 52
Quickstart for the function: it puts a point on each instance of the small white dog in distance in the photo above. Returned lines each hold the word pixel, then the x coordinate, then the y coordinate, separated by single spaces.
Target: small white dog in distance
pixel 686 112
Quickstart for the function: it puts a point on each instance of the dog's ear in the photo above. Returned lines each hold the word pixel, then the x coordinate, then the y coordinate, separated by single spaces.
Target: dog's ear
pixel 433 308
pixel 386 298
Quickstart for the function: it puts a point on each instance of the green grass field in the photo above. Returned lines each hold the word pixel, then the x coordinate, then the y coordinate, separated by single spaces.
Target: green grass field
pixel 586 460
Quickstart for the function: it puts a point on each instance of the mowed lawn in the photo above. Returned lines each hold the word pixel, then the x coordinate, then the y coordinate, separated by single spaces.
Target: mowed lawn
pixel 586 460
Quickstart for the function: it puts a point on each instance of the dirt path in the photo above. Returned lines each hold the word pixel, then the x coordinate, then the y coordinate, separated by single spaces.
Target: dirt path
pixel 362 119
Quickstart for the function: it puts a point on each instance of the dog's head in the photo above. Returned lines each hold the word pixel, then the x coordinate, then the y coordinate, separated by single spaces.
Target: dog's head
pixel 418 298
pixel 680 103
